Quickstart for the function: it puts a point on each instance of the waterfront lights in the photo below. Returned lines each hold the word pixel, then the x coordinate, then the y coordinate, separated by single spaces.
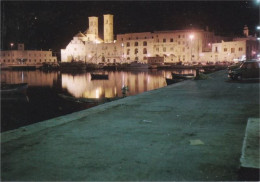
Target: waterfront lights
pixel 11 44
pixel 191 36
pixel 258 27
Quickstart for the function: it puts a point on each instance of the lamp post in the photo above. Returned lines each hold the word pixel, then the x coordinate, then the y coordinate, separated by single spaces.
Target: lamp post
pixel 11 44
pixel 122 58
pixel 191 38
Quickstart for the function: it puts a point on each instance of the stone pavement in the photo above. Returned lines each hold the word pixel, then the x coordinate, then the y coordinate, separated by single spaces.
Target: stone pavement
pixel 190 131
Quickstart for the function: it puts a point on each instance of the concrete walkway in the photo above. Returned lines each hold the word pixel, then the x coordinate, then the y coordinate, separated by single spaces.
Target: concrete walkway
pixel 192 130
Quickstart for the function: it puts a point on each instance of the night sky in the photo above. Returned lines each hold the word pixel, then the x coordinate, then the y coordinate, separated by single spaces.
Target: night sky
pixel 52 24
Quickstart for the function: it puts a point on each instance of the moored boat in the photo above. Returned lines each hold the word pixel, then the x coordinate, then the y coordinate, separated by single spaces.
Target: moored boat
pixel 138 65
pixel 73 66
pixel 99 76
pixel 182 76
pixel 13 88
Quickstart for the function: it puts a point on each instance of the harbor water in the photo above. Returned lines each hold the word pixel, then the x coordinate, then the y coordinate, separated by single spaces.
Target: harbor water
pixel 47 92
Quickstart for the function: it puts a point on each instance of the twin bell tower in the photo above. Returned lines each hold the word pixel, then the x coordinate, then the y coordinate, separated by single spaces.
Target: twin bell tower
pixel 108 27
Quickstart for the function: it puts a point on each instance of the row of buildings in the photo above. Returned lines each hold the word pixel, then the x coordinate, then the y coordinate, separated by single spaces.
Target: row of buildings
pixel 187 46
pixel 22 57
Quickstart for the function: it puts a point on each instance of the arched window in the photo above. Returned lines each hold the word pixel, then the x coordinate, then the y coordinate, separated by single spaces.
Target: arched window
pixel 136 43
pixel 128 51
pixel 128 44
pixel 144 43
pixel 144 51
pixel 136 51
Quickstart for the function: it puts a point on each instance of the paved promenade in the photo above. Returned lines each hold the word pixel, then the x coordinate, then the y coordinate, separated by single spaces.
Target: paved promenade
pixel 192 130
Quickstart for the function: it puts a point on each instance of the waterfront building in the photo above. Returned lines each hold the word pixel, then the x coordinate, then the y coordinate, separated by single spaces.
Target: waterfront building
pixel 189 46
pixel 22 57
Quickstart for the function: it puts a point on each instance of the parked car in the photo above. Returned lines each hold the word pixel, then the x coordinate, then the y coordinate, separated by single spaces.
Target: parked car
pixel 248 70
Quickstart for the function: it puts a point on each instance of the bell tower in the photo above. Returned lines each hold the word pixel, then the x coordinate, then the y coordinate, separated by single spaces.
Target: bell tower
pixel 93 25
pixel 108 28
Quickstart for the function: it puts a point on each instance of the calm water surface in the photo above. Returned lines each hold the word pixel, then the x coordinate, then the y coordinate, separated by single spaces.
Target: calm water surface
pixel 42 100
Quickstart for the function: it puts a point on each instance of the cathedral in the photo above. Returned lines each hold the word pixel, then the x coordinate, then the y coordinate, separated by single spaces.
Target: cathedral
pixel 189 46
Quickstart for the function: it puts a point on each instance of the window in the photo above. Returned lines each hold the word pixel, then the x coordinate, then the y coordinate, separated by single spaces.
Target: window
pixel 136 58
pixel 136 51
pixel 216 49
pixel 232 50
pixel 145 58
pixel 171 40
pixel 144 43
pixel 164 49
pixel 240 48
pixel 136 43
pixel 179 36
pixel 183 49
pixel 128 44
pixel 164 40
pixel 225 49
pixel 144 51
pixel 128 51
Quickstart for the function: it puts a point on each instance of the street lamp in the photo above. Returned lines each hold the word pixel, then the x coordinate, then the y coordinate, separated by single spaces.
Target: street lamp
pixel 122 45
pixel 11 44
pixel 191 38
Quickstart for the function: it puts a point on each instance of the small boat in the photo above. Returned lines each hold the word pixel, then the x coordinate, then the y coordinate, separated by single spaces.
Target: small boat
pixel 88 100
pixel 99 76
pixel 138 65
pixel 13 88
pixel 182 76
pixel 73 66
pixel 172 81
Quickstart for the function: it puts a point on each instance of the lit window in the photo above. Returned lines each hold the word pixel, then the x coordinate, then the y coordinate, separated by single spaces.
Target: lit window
pixel 144 51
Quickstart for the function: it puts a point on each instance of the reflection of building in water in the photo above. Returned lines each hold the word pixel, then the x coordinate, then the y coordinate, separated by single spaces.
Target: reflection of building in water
pixel 26 57
pixel 191 45
pixel 33 78
pixel 83 86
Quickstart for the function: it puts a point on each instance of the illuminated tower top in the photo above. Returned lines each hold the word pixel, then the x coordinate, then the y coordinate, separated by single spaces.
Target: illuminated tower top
pixel 93 25
pixel 108 28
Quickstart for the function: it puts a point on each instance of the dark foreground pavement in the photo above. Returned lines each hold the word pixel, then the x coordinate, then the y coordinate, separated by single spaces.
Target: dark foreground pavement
pixel 192 130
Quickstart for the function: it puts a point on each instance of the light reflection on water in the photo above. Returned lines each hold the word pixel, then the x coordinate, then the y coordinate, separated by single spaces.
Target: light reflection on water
pixel 137 82
pixel 81 85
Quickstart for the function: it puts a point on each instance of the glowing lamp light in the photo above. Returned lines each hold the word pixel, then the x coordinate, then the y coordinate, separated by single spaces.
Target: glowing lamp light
pixel 258 27
pixel 89 56
pixel 191 36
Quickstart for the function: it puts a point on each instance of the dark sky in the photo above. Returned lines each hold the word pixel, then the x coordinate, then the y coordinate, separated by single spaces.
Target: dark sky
pixel 52 24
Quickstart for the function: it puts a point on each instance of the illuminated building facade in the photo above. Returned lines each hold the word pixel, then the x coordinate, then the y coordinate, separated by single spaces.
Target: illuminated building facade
pixel 26 57
pixel 187 46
